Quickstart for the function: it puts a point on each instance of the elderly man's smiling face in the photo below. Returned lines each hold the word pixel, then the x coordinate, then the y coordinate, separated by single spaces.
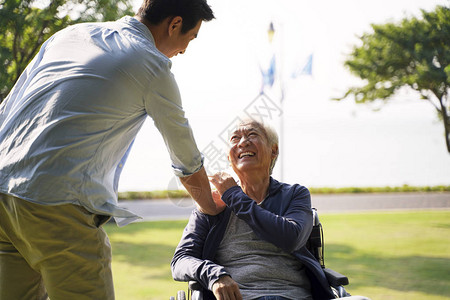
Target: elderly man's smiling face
pixel 250 149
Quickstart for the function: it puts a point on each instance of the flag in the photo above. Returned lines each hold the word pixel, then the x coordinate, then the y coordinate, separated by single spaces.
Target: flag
pixel 268 76
pixel 306 69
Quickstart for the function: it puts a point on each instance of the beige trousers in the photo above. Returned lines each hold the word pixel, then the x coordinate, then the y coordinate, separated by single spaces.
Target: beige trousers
pixel 60 252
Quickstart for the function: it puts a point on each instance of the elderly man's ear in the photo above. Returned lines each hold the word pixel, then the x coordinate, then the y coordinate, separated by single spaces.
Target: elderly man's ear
pixel 274 151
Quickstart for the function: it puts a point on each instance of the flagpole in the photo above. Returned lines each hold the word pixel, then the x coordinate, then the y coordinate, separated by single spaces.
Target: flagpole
pixel 281 81
pixel 281 142
pixel 281 152
pixel 306 70
pixel 271 33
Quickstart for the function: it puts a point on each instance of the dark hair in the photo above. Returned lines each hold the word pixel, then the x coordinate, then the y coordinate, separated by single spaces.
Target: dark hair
pixel 192 11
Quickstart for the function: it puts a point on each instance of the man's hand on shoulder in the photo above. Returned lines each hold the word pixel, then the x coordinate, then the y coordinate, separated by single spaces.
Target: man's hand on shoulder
pixel 222 181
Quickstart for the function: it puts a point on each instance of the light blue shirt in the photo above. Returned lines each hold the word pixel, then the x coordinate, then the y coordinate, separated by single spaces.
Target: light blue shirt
pixel 77 107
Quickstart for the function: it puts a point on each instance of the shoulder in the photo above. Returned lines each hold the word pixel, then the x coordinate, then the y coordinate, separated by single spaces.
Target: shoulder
pixel 143 42
pixel 142 58
pixel 131 42
pixel 281 187
pixel 284 196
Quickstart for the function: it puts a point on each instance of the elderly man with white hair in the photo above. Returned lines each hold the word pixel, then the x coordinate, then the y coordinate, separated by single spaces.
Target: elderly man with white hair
pixel 255 248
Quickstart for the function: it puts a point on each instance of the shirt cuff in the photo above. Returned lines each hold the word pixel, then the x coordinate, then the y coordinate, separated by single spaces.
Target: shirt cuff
pixel 183 172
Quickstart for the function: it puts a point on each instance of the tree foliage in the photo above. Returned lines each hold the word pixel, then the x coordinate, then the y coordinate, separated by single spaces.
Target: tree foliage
pixel 413 53
pixel 26 24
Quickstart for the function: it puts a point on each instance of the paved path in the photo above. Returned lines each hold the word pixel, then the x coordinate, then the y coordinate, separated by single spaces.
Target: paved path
pixel 380 202
pixel 176 209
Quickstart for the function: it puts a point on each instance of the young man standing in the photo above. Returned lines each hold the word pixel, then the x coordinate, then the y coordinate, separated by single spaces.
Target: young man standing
pixel 64 128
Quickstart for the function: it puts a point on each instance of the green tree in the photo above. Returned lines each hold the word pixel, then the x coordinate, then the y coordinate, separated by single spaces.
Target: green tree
pixel 414 53
pixel 26 24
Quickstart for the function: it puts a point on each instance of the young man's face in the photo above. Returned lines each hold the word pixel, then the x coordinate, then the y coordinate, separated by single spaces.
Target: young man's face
pixel 179 42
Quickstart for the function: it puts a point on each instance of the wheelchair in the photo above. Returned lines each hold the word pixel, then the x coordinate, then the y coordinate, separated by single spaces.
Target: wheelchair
pixel 315 245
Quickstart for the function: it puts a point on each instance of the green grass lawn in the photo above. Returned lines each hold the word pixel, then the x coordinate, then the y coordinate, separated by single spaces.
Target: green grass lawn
pixel 396 255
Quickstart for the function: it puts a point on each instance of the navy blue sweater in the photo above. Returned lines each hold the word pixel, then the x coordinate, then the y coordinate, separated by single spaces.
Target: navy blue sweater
pixel 283 219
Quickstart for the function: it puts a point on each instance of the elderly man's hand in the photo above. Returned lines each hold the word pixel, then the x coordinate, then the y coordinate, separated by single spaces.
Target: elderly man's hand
pixel 218 200
pixel 222 181
pixel 225 288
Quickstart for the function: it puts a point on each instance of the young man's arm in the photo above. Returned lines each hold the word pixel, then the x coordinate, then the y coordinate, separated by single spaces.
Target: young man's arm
pixel 198 187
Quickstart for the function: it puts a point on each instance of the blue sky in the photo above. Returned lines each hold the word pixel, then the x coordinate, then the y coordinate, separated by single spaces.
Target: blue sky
pixel 324 143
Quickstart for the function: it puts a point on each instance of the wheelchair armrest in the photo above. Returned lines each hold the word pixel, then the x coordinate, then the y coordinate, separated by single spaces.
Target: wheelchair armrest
pixel 334 278
pixel 195 286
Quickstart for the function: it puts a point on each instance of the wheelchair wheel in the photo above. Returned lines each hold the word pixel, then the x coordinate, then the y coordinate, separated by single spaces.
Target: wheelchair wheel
pixel 181 295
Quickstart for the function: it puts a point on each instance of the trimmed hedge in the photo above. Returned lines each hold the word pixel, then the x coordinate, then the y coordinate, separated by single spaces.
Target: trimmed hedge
pixel 175 194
